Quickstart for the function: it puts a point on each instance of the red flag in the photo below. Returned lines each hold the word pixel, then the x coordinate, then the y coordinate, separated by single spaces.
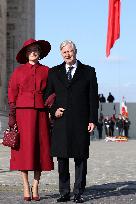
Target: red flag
pixel 113 32
pixel 124 110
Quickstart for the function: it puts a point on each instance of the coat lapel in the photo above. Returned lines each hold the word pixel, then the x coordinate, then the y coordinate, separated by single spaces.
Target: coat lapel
pixel 62 75
pixel 78 73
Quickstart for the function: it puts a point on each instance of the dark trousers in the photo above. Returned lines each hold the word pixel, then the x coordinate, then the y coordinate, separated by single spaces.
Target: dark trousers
pixel 64 175
pixel 120 131
pixel 100 133
pixel 126 131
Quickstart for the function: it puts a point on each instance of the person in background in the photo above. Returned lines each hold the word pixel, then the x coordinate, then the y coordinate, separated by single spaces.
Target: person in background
pixel 126 126
pixel 100 126
pixel 102 99
pixel 112 124
pixel 120 125
pixel 75 113
pixel 107 124
pixel 110 98
pixel 26 88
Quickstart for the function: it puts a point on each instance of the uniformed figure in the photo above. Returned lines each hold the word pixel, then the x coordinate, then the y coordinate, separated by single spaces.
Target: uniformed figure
pixel 100 126
pixel 126 125
pixel 113 121
pixel 25 94
pixel 107 124
pixel 120 124
pixel 75 112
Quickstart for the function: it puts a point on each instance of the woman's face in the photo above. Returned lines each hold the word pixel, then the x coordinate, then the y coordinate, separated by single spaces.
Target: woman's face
pixel 33 53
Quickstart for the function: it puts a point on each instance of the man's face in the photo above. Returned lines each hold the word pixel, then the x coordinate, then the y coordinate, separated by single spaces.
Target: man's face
pixel 69 54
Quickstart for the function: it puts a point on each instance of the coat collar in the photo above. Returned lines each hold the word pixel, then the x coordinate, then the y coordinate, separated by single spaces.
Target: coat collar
pixel 63 77
pixel 32 66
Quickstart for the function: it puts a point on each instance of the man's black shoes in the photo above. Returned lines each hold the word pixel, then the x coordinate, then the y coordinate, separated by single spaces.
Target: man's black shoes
pixel 63 198
pixel 78 199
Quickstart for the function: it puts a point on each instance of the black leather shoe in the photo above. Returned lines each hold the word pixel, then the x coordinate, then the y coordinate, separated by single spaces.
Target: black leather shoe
pixel 63 198
pixel 78 199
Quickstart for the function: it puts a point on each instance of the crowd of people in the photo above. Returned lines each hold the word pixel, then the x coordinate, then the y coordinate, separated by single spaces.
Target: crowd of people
pixel 110 123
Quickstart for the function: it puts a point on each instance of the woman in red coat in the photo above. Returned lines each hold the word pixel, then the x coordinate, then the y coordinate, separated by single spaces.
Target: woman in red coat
pixel 25 94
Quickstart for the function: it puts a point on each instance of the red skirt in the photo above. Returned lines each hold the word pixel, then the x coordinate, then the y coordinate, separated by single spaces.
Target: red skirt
pixel 34 151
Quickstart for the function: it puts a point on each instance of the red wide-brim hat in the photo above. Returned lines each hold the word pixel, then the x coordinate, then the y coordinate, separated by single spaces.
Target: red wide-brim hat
pixel 45 48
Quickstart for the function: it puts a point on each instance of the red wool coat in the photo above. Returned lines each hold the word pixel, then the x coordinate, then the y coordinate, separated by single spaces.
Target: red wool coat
pixel 27 85
pixel 26 88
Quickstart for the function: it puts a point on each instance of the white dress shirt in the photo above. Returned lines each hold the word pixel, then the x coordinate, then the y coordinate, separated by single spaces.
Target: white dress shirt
pixel 73 69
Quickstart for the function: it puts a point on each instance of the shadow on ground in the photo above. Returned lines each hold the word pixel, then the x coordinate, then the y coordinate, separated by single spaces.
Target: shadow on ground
pixel 103 191
pixel 110 190
pixel 93 194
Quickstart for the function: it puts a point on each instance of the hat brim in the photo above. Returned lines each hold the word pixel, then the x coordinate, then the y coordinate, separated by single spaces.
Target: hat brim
pixel 44 46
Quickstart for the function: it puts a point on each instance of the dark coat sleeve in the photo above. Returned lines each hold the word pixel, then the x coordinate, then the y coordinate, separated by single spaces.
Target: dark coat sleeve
pixel 49 91
pixel 94 100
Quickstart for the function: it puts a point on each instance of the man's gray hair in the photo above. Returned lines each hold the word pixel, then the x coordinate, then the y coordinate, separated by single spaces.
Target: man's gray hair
pixel 66 42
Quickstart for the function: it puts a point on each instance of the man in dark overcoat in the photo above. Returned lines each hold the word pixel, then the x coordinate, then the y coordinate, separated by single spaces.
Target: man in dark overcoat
pixel 75 112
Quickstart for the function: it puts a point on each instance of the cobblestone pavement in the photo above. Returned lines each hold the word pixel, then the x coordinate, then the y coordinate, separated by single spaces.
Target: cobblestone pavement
pixel 111 177
pixel 91 197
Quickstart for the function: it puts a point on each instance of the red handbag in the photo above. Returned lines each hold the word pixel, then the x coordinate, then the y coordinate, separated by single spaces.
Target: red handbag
pixel 11 138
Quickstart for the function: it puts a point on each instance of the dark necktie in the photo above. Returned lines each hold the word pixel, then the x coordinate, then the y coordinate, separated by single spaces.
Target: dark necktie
pixel 69 73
